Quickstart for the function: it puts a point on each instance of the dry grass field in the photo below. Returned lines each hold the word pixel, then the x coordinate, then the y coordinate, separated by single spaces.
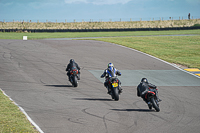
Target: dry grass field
pixel 99 25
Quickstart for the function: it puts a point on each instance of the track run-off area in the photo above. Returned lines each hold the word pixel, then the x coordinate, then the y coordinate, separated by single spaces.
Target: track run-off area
pixel 32 73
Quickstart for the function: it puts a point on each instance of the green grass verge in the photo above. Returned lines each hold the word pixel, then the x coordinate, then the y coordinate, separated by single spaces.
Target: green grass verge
pixel 184 50
pixel 11 119
pixel 12 35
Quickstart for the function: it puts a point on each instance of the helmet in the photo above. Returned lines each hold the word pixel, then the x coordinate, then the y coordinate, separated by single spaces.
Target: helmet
pixel 144 80
pixel 71 61
pixel 110 66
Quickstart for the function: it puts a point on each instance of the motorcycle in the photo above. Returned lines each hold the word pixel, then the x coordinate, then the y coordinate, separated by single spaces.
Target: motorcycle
pixel 151 96
pixel 74 77
pixel 113 83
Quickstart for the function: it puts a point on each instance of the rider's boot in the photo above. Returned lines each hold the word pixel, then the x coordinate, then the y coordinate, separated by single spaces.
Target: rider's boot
pixel 159 100
pixel 78 76
pixel 109 90
pixel 149 105
pixel 120 89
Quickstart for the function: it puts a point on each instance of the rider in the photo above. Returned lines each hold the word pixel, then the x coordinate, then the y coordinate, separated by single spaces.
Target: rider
pixel 143 88
pixel 72 64
pixel 111 72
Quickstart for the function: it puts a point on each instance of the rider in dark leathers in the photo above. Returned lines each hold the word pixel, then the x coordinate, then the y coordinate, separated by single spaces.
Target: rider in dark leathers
pixel 143 88
pixel 111 72
pixel 71 64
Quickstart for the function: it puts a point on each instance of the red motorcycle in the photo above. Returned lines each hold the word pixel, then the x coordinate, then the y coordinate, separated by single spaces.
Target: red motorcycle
pixel 151 97
pixel 74 77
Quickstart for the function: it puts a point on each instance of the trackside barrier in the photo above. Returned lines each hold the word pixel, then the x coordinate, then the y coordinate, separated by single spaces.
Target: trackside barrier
pixel 97 30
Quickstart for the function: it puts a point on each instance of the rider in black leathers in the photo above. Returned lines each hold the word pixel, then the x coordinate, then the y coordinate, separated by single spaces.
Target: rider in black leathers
pixel 71 64
pixel 144 87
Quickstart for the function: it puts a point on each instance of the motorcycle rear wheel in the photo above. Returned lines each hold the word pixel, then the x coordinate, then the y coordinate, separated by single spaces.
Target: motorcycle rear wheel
pixel 115 94
pixel 75 84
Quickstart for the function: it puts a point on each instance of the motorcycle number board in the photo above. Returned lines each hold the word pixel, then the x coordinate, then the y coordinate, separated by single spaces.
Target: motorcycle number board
pixel 114 84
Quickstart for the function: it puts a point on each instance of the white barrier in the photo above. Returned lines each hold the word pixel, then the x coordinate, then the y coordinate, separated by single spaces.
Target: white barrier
pixel 25 38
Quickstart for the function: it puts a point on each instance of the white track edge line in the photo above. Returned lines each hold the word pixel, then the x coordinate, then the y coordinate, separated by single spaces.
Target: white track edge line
pixel 32 122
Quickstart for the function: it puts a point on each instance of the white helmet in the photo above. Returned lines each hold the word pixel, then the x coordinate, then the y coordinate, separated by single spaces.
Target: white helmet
pixel 110 66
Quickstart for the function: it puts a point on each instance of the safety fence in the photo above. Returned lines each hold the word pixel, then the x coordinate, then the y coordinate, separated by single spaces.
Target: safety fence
pixel 98 30
pixel 100 20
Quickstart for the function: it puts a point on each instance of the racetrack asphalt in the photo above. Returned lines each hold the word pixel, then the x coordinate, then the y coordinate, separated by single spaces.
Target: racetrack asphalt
pixel 33 74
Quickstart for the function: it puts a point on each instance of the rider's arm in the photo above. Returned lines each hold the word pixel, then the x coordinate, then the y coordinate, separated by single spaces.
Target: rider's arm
pixel 104 74
pixel 77 66
pixel 152 86
pixel 67 67
pixel 118 72
pixel 138 93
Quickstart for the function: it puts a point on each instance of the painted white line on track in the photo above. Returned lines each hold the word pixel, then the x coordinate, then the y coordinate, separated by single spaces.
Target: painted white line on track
pixel 157 59
pixel 32 122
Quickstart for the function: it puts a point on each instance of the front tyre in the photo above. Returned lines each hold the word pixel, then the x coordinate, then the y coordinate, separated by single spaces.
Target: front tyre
pixel 155 105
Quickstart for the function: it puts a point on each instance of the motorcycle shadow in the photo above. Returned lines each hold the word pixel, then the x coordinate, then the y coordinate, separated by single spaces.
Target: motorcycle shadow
pixel 93 99
pixel 59 85
pixel 137 110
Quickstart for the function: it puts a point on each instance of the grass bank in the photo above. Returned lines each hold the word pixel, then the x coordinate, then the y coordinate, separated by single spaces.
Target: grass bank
pixel 184 50
pixel 11 119
pixel 100 25
pixel 13 35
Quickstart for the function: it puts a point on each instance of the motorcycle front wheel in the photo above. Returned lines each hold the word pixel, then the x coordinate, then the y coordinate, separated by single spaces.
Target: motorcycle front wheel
pixel 155 105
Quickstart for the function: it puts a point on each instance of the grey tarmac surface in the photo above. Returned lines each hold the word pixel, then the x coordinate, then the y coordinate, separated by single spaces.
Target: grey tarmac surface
pixel 33 74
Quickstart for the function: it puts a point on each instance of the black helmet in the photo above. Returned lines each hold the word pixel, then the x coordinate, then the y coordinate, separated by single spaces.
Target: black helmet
pixel 144 80
pixel 71 61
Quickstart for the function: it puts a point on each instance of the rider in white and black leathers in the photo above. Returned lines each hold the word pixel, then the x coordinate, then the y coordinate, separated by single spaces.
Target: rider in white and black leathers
pixel 111 72
pixel 144 87
pixel 71 64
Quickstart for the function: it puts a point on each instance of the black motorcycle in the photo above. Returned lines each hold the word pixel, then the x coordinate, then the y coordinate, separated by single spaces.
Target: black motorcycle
pixel 151 96
pixel 74 77
pixel 113 83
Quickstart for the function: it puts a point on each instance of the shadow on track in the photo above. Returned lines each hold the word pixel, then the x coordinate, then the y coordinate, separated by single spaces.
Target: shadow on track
pixel 138 110
pixel 59 85
pixel 93 99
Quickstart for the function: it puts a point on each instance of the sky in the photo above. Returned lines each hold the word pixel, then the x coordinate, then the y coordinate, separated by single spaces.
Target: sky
pixel 96 10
